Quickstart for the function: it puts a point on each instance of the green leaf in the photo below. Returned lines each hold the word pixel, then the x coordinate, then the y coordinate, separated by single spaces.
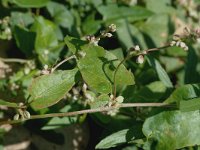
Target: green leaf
pixel 113 12
pixel 190 105
pixel 153 35
pixel 152 92
pixel 61 15
pixel 163 6
pixel 98 73
pixel 21 19
pixel 93 51
pixel 185 92
pixel 90 25
pixel 123 76
pixel 46 44
pixel 8 104
pixel 31 3
pixel 93 75
pixel 191 67
pixel 163 76
pixel 173 129
pixel 74 44
pixel 47 90
pixel 123 33
pixel 115 139
pixel 25 40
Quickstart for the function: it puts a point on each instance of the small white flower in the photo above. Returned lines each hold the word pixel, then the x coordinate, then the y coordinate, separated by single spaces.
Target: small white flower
pixel 16 117
pixel 182 45
pixel 27 70
pixel 112 27
pixel 82 54
pixel 186 48
pixel 140 59
pixel 46 67
pixel 178 43
pixel 46 52
pixel 137 48
pixel 7 31
pixel 108 34
pixel 26 114
pixel 172 43
pixel 111 96
pixel 120 99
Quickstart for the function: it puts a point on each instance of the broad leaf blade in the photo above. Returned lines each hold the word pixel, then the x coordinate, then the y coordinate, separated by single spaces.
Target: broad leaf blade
pixel 61 15
pixel 31 3
pixel 74 44
pixel 160 71
pixel 98 73
pixel 173 129
pixel 25 40
pixel 93 75
pixel 190 105
pixel 185 92
pixel 115 139
pixel 47 90
pixel 113 12
pixel 46 43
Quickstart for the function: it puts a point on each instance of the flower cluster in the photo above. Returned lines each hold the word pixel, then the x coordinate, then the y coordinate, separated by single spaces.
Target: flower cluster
pixel 114 102
pixel 5 29
pixel 179 44
pixel 21 113
pixel 103 34
pixel 46 70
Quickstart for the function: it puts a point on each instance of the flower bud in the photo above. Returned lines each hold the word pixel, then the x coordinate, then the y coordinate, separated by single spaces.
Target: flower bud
pixel 16 117
pixel 182 45
pixel 81 54
pixel 172 43
pixel 137 48
pixel 140 59
pixel 120 99
pixel 26 114
pixel 108 35
pixel 45 67
pixel 112 27
pixel 185 48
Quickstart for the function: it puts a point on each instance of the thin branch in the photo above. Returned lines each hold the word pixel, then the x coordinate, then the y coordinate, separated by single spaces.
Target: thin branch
pixel 65 60
pixel 13 60
pixel 157 48
pixel 115 74
pixel 89 111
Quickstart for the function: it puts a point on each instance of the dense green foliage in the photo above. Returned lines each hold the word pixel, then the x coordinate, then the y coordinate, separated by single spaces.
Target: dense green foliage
pixel 65 56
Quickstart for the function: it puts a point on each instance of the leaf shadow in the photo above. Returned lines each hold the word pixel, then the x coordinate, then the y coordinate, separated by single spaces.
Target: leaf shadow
pixel 111 66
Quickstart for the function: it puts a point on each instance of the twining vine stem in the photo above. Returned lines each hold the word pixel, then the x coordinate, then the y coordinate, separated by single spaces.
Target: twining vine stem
pixel 65 60
pixel 89 111
pixel 129 56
